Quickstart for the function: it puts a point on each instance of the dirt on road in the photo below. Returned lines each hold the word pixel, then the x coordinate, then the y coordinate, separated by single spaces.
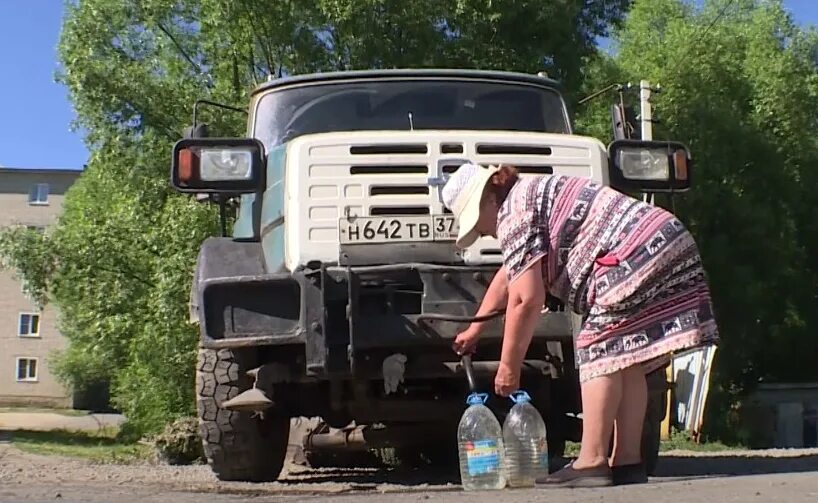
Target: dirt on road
pixel 48 421
pixel 775 475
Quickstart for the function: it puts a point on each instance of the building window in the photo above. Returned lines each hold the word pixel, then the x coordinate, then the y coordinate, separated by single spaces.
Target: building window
pixel 26 369
pixel 29 325
pixel 38 194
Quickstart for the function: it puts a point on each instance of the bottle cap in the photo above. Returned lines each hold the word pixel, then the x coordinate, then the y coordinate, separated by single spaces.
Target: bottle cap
pixel 520 396
pixel 477 398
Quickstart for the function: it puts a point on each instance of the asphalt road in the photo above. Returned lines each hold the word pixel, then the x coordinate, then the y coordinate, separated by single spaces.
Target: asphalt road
pixel 778 475
pixel 791 488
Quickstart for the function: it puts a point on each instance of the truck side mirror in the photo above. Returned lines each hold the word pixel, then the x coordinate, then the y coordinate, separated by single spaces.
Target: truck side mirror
pixel 649 166
pixel 198 131
pixel 227 166
pixel 622 123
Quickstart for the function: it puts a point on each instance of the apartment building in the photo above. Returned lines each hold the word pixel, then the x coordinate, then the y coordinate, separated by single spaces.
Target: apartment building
pixel 28 336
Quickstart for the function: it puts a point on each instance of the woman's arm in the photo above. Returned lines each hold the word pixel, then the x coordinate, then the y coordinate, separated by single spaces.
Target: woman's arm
pixel 526 296
pixel 495 299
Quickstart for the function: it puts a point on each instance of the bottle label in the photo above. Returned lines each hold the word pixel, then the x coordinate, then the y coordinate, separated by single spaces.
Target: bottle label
pixel 482 457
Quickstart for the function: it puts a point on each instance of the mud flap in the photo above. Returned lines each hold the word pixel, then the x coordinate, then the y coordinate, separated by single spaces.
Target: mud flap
pixel 690 373
pixel 300 427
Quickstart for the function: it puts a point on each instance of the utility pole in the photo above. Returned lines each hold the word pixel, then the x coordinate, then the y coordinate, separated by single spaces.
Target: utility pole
pixel 645 114
pixel 646 120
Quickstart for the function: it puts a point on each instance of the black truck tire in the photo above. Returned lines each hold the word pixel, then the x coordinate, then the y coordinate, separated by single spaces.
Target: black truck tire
pixel 238 446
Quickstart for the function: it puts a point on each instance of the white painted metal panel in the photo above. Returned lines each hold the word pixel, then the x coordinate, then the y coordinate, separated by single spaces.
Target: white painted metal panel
pixel 325 181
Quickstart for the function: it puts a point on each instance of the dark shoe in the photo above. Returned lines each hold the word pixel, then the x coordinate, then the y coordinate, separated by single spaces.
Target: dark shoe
pixel 629 474
pixel 569 476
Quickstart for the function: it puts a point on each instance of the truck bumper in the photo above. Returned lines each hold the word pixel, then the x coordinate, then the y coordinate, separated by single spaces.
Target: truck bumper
pixel 342 316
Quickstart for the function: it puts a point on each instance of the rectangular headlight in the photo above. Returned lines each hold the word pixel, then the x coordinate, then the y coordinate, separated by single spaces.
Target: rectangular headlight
pixel 644 163
pixel 649 165
pixel 226 164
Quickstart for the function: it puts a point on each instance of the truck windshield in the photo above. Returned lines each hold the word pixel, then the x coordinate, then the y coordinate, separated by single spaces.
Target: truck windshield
pixel 405 104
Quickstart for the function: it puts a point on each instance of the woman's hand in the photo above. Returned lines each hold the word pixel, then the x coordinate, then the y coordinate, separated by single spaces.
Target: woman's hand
pixel 507 380
pixel 466 341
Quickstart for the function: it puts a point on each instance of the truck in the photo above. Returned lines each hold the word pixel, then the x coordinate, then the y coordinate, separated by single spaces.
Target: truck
pixel 338 292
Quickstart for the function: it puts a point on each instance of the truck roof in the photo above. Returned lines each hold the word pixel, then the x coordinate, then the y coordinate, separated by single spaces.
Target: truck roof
pixel 407 73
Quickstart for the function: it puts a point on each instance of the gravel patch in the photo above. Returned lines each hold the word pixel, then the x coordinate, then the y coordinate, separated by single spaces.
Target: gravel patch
pixel 24 470
pixel 18 467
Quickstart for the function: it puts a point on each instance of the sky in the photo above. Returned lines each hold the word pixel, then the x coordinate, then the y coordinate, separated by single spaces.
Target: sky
pixel 35 111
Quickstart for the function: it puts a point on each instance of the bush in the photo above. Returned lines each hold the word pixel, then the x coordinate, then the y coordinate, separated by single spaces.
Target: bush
pixel 179 443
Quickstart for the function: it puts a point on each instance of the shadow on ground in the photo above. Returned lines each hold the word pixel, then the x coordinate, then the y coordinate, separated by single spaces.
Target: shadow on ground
pixel 731 465
pixel 364 469
pixel 361 479
pixel 427 475
pixel 670 467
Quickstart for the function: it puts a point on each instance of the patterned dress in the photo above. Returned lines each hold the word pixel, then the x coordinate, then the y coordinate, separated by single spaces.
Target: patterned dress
pixel 630 268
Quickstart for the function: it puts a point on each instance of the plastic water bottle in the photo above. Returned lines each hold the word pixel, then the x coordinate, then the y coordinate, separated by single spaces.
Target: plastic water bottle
pixel 480 445
pixel 526 448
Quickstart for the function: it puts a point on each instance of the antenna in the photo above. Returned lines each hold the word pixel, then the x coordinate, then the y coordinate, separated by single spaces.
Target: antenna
pixel 411 123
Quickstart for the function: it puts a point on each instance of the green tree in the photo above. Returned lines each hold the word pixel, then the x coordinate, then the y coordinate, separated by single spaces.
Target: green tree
pixel 739 87
pixel 120 260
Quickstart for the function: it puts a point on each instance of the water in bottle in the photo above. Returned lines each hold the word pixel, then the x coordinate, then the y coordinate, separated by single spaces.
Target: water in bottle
pixel 480 445
pixel 526 449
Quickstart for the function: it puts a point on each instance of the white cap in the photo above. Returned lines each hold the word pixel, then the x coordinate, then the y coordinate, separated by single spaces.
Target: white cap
pixel 462 194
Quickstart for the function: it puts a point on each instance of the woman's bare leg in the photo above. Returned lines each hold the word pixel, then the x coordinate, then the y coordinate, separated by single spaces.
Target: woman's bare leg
pixel 630 418
pixel 601 399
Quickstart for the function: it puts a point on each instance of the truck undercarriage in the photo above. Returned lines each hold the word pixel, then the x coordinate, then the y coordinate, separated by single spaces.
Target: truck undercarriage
pixel 368 350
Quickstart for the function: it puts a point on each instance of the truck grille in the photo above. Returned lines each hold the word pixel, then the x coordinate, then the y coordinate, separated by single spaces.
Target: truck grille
pixel 368 174
pixel 388 170
pixel 413 148
pixel 394 190
pixel 499 148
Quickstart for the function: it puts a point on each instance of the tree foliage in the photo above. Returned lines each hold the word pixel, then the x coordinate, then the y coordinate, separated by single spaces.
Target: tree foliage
pixel 740 88
pixel 119 262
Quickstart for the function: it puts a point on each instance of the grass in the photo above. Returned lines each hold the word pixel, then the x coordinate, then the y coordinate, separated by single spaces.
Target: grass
pixel 34 410
pixel 100 446
pixel 679 440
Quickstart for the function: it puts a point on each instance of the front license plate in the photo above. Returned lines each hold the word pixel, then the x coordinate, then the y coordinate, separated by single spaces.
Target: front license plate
pixel 397 229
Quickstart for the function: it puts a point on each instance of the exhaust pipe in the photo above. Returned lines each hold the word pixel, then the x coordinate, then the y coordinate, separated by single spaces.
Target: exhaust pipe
pixel 362 438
